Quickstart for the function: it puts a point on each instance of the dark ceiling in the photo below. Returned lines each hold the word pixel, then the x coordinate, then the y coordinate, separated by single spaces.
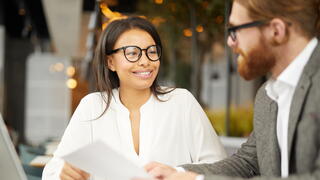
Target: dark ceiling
pixel 24 17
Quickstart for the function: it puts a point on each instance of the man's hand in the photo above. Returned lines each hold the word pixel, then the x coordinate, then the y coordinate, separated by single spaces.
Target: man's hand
pixel 159 171
pixel 70 172
pixel 175 176
pixel 182 176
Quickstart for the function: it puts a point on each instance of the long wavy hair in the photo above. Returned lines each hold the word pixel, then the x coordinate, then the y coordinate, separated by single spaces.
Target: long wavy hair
pixel 107 80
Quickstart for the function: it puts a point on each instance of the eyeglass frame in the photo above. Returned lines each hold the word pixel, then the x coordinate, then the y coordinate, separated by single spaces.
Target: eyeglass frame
pixel 140 54
pixel 233 29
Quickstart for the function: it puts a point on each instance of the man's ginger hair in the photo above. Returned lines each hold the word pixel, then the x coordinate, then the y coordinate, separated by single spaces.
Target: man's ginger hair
pixel 304 15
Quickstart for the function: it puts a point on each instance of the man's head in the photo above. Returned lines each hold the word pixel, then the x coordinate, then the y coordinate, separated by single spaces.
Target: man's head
pixel 260 31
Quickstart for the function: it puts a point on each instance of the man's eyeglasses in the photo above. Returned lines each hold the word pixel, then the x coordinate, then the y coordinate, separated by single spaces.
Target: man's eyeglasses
pixel 232 31
pixel 134 53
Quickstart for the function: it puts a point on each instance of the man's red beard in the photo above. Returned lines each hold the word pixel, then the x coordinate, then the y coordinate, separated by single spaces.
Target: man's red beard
pixel 257 62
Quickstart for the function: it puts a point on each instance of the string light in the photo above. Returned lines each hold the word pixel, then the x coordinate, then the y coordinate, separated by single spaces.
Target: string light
pixel 71 83
pixel 187 32
pixel 158 1
pixel 70 71
pixel 58 67
pixel 199 28
pixel 110 14
pixel 22 12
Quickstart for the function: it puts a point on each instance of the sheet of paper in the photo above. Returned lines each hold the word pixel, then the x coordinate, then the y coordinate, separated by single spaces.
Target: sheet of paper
pixel 101 160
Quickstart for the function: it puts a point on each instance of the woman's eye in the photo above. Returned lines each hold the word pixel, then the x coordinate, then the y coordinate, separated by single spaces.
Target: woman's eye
pixel 152 52
pixel 131 53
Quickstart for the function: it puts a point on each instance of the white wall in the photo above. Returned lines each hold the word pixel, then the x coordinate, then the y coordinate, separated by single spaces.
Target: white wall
pixel 214 91
pixel 64 22
pixel 47 98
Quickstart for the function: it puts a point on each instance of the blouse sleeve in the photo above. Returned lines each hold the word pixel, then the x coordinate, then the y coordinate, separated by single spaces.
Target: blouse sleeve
pixel 77 134
pixel 205 145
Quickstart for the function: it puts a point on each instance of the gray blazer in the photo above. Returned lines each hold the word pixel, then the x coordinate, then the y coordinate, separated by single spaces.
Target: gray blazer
pixel 260 155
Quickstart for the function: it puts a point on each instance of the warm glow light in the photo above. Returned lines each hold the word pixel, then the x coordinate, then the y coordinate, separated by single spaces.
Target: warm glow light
pixel 158 20
pixel 71 83
pixel 219 19
pixel 110 14
pixel 107 12
pixel 158 1
pixel 22 12
pixel 205 4
pixel 187 32
pixel 58 67
pixel 199 28
pixel 70 71
pixel 104 25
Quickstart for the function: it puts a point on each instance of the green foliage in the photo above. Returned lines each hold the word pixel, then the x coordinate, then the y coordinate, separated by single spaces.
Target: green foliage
pixel 171 18
pixel 176 13
pixel 183 75
pixel 241 121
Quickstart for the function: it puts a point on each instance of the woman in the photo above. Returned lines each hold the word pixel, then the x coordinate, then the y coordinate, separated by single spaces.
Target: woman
pixel 131 112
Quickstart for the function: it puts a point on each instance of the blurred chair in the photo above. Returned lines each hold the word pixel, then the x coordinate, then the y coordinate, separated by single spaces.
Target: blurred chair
pixel 33 177
pixel 27 154
pixel 33 173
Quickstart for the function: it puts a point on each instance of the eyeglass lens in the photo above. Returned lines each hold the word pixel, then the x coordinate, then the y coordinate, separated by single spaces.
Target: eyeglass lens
pixel 134 53
pixel 233 35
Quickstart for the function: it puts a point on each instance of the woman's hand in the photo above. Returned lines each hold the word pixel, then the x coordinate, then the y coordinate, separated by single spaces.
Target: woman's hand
pixel 70 172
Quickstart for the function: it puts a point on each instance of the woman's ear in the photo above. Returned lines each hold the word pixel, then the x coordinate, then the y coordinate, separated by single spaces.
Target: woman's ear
pixel 110 63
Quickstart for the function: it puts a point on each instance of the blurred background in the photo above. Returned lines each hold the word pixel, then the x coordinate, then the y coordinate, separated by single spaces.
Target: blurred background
pixel 46 50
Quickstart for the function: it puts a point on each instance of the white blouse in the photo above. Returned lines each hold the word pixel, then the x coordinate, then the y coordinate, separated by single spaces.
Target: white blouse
pixel 173 132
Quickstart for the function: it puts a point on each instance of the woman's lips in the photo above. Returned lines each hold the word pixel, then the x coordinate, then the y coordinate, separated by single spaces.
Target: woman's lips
pixel 143 74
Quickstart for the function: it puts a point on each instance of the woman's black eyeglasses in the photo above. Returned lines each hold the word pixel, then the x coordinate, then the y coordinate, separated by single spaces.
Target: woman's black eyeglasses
pixel 134 53
pixel 232 31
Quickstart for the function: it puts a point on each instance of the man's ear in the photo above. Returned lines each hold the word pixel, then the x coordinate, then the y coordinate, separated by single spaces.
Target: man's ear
pixel 110 63
pixel 278 31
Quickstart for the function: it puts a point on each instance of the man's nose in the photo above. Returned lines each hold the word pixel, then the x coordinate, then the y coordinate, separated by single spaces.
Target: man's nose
pixel 231 43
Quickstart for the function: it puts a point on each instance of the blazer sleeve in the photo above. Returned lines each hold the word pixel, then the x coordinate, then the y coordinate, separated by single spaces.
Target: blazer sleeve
pixel 313 175
pixel 243 163
pixel 204 144
pixel 77 134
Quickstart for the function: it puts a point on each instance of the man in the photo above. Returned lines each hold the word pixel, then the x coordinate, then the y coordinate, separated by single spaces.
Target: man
pixel 275 37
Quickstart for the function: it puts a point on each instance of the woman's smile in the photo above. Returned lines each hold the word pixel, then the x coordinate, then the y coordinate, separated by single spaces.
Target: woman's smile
pixel 143 73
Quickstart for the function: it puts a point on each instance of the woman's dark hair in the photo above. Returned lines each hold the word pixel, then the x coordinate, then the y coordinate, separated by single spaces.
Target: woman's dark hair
pixel 107 80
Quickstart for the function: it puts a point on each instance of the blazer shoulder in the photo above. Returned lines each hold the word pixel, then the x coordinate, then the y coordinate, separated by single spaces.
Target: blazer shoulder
pixel 262 91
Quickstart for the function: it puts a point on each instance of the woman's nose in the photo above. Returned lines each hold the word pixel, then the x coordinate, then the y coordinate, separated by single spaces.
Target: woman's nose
pixel 144 60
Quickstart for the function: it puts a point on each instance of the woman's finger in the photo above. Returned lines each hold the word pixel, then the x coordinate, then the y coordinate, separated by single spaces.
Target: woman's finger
pixel 71 172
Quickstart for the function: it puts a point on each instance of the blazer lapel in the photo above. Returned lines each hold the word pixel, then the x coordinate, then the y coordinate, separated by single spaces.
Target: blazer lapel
pixel 296 108
pixel 300 94
pixel 268 113
pixel 275 156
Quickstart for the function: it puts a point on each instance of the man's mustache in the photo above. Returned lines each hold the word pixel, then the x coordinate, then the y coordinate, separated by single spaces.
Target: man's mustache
pixel 239 52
